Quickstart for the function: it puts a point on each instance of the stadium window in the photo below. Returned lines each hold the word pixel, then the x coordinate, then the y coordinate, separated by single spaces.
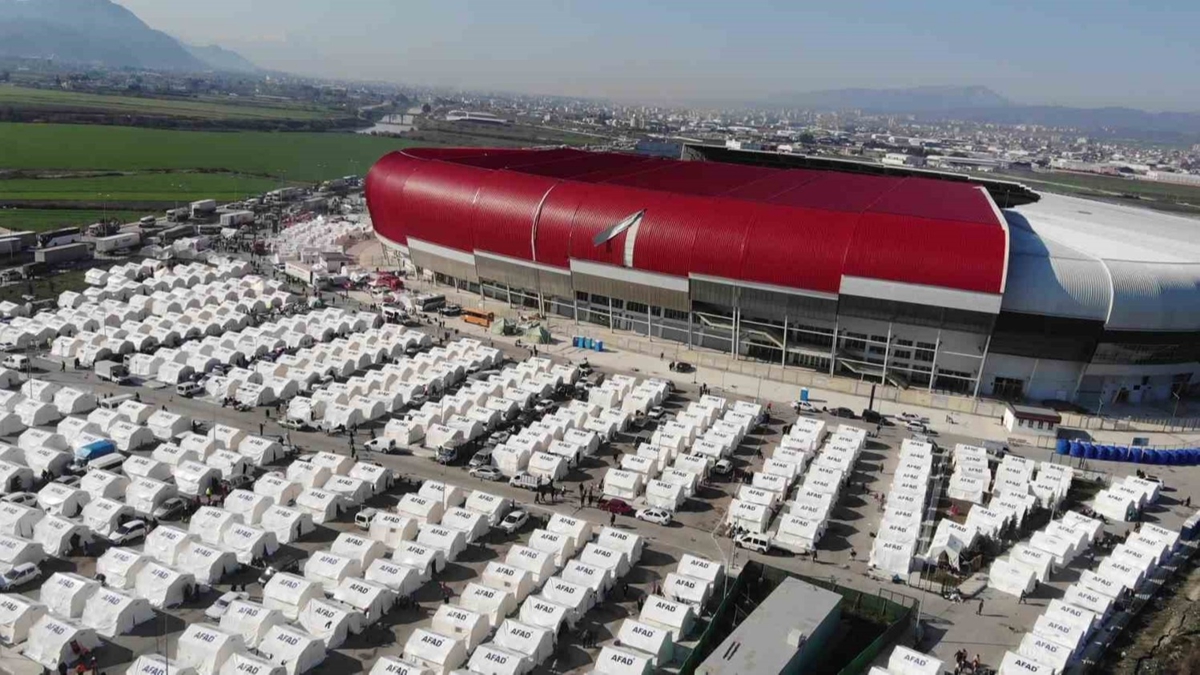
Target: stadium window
pixel 901 354
pixel 675 314
pixel 636 308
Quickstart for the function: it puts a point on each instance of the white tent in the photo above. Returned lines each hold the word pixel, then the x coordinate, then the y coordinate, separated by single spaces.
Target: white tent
pixel 538 563
pixel 51 640
pixel 44 459
pixel 547 466
pixel 308 474
pixel 1045 651
pixel 17 520
pixel 248 506
pixel 510 459
pixel 338 465
pixel 245 664
pixel 361 549
pixel 1017 664
pixel 166 425
pixel 329 569
pixel 561 547
pixel 1011 577
pixel 289 594
pixel 379 478
pixel 288 525
pixel 17 615
pixel 322 505
pixel 207 564
pixel 676 617
pixel 120 566
pixel 519 582
pixel 230 464
pixel 1064 612
pixel 206 647
pixel 461 624
pixel 682 588
pixel 490 659
pixel 1041 562
pixel 260 451
pixel 622 484
pixel 278 489
pixel 391 529
pixel 112 613
pixel 905 661
pixel 166 544
pixel 448 495
pixel 157 664
pixel 250 620
pixel 665 495
pixel 492 507
pixel 656 641
pixel 145 495
pixel 616 661
pixel 522 638
pixel 66 594
pixel 371 599
pixel 1124 574
pixel 493 603
pixel 617 559
pixel 329 622
pixel 438 653
pixel 748 515
pixel 102 484
pixel 387 665
pixel 144 467
pixel 1083 597
pixel 194 478
pixel 209 524
pixel 449 541
pixel 58 537
pixel 201 444
pixel 162 586
pixel 545 614
pixel 578 530
pixel 421 509
pixel 1069 635
pixel 104 515
pixel 473 525
pixel 59 500
pixel 401 579
pixel 15 478
pixel 598 578
pixel 354 491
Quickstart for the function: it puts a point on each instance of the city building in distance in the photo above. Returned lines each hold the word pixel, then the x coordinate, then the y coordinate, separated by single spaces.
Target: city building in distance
pixel 885 273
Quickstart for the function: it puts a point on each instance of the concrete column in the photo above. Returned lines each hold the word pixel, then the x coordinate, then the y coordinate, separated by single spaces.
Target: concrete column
pixel 610 315
pixel 887 354
pixel 983 362
pixel 689 342
pixel 937 344
pixel 783 356
pixel 737 329
pixel 649 323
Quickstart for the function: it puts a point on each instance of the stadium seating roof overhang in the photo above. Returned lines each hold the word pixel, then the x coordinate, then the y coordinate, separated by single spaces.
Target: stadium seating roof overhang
pixel 803 231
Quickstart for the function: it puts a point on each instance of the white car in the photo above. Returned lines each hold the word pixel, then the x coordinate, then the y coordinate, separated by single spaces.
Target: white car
pixel 803 407
pixel 22 498
pixel 381 444
pixel 217 610
pixel 655 515
pixel 759 543
pixel 486 473
pixel 514 521
pixel 129 532
pixel 19 575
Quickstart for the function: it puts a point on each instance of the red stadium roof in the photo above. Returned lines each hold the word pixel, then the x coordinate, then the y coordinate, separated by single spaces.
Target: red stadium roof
pixel 796 228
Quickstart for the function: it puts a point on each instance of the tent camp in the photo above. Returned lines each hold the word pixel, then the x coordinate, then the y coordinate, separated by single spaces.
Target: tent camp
pixel 329 569
pixel 322 505
pixel 17 615
pixel 440 654
pixel 361 549
pixel 248 506
pixel 329 622
pixel 421 509
pixel 533 642
pixel 493 603
pixel 461 624
pixel 162 586
pixel 250 620
pixel 207 564
pixel 166 544
pixel 145 495
pixel 353 490
pixel 111 613
pixel 289 594
pixel 65 594
pixel 288 525
pixel 473 525
pixel 52 640
pixel 101 484
pixel 307 474
pixel 206 647
pixel 279 489
pixel 208 524
pixel 120 566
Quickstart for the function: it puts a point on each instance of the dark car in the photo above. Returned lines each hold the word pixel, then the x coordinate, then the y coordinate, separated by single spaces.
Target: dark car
pixel 843 412
pixel 617 506
pixel 450 310
pixel 682 367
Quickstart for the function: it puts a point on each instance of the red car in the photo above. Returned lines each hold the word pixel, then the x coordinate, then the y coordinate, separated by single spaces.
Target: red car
pixel 617 506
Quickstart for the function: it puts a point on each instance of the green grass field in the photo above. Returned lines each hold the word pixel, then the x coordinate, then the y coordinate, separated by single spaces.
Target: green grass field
pixel 201 108
pixel 309 157
pixel 1109 186
pixel 144 187
pixel 39 220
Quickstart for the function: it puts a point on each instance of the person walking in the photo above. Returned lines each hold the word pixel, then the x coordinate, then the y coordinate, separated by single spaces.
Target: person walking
pixel 979 610
pixel 612 519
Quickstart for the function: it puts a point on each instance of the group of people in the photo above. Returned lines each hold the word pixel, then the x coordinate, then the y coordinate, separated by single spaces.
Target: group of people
pixel 963 661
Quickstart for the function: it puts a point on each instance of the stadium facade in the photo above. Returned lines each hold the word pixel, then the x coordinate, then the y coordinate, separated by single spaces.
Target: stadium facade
pixel 917 279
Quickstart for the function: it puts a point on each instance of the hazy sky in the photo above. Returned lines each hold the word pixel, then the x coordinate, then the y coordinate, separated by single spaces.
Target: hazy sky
pixel 1069 52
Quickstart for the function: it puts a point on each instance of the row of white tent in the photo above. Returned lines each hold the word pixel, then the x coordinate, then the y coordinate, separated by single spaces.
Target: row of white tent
pixel 145 272
pixel 894 548
pixel 905 661
pixel 1124 500
pixel 1045 552
pixel 132 271
pixel 1061 633
pixel 38 403
pixel 307 240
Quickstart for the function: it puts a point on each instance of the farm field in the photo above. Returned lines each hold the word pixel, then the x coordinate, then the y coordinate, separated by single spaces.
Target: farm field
pixel 1161 196
pixel 137 187
pixel 210 108
pixel 39 220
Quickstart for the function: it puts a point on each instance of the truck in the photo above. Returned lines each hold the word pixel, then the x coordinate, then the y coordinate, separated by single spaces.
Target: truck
pixel 237 218
pixel 57 255
pixel 179 215
pixel 118 242
pixel 203 208
pixel 178 232
pixel 112 371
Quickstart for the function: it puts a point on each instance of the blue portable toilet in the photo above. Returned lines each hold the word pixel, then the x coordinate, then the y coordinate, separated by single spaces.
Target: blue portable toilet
pixel 599 345
pixel 1135 454
pixel 1150 456
pixel 1169 457
pixel 1106 453
pixel 804 394
pixel 1193 456
pixel 1061 447
pixel 1121 453
pixel 591 343
pixel 575 341
pixel 1076 449
pixel 1089 451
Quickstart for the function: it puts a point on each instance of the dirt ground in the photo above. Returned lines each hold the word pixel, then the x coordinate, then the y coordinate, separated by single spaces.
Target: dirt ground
pixel 1166 636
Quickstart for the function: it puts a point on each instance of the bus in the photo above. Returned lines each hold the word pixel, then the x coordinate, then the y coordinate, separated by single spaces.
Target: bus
pixel 67 235
pixel 478 317
pixel 430 303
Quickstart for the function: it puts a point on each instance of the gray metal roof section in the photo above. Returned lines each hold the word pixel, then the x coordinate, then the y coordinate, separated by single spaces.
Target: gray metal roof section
pixel 1051 279
pixel 1151 260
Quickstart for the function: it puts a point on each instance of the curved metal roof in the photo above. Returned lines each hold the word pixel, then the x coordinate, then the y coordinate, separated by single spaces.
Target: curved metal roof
pixel 795 228
pixel 1052 279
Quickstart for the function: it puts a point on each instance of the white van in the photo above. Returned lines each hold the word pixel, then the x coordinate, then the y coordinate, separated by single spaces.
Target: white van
pixel 111 462
pixel 363 518
pixel 759 543
pixel 112 402
pixel 189 389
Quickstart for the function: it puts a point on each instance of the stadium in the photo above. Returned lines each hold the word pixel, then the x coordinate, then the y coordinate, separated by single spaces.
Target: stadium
pixel 912 278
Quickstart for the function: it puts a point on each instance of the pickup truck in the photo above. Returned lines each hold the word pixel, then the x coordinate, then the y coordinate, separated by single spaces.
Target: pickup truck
pixel 112 371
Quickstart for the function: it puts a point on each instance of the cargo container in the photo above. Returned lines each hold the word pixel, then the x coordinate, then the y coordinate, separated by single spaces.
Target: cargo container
pixel 58 255
pixel 15 242
pixel 237 218
pixel 178 232
pixel 203 208
pixel 118 242
pixel 178 215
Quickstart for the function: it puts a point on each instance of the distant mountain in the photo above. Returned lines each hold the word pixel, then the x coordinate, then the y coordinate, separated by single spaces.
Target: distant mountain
pixel 219 58
pixel 1112 121
pixel 97 32
pixel 910 100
